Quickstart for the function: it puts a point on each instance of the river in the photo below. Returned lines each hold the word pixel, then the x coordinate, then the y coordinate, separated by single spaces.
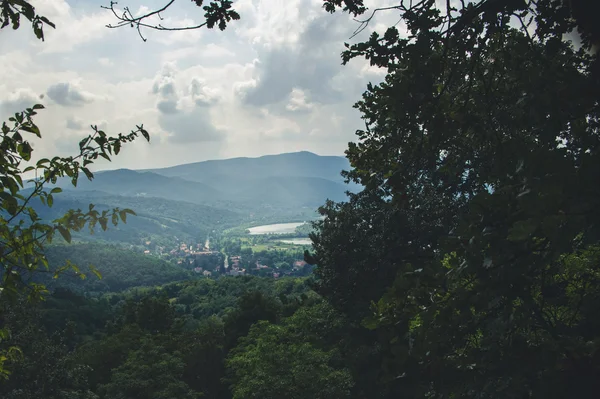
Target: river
pixel 279 228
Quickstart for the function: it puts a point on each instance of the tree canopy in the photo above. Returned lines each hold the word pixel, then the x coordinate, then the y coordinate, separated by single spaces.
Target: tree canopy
pixel 480 161
pixel 468 267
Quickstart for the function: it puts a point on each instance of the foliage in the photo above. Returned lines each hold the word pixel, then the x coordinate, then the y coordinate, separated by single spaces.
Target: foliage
pixel 468 267
pixel 121 269
pixel 217 13
pixel 45 367
pixel 149 372
pixel 272 363
pixel 22 232
pixel 479 161
pixel 157 343
pixel 12 10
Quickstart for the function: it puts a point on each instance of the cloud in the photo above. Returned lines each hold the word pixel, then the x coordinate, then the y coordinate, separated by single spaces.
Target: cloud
pixel 74 123
pixel 69 94
pixel 185 115
pixel 298 101
pixel 18 101
pixel 202 95
pixel 272 82
pixel 105 62
pixel 306 64
pixel 190 127
pixel 73 28
pixel 165 89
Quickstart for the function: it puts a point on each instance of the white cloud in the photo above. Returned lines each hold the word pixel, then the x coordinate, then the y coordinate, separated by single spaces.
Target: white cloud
pixel 18 101
pixel 69 94
pixel 74 123
pixel 201 94
pixel 72 28
pixel 106 62
pixel 272 82
pixel 298 101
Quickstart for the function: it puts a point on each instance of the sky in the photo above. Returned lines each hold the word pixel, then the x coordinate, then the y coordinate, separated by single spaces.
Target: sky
pixel 270 83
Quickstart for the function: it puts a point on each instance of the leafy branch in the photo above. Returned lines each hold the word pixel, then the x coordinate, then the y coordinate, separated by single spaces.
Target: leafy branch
pixel 22 231
pixel 12 10
pixel 217 13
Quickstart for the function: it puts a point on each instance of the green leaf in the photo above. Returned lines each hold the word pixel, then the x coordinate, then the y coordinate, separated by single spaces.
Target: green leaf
pixel 145 134
pixel 123 216
pixel 46 21
pixel 64 232
pixel 522 230
pixel 31 129
pixel 87 173
pixel 96 272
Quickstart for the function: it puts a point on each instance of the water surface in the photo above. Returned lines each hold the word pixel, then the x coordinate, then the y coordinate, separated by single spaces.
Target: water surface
pixel 298 241
pixel 279 228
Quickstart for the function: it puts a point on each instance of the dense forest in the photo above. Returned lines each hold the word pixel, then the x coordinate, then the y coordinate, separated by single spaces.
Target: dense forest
pixel 120 269
pixel 467 266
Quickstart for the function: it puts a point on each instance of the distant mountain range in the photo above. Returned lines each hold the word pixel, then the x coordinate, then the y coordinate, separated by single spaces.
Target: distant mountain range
pixel 193 200
pixel 291 180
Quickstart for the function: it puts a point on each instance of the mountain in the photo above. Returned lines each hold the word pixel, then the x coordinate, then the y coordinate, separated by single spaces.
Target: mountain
pixel 302 191
pixel 128 182
pixel 284 181
pixel 156 217
pixel 296 164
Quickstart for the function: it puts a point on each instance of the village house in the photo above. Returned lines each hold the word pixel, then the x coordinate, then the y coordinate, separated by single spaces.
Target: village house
pixel 237 272
pixel 299 264
pixel 260 266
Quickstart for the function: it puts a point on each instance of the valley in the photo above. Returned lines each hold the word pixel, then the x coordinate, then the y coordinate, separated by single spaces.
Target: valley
pixel 453 253
pixel 209 219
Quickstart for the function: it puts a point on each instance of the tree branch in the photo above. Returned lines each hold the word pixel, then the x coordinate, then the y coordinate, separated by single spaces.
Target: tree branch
pixel 216 13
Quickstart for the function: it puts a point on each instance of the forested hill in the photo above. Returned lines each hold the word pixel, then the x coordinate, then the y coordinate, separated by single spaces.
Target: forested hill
pixel 155 217
pixel 292 180
pixel 295 164
pixel 119 269
pixel 468 267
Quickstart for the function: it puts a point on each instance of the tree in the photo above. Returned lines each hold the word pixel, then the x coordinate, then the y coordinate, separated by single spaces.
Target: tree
pixel 23 233
pixel 12 10
pixel 62 376
pixel 276 361
pixel 479 160
pixel 149 372
pixel 217 13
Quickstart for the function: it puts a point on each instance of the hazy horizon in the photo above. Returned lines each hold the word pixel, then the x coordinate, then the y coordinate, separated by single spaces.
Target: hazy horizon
pixel 202 95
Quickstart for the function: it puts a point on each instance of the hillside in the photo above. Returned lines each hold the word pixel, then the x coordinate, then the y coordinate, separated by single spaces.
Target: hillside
pixel 247 185
pixel 128 182
pixel 156 217
pixel 120 269
pixel 295 164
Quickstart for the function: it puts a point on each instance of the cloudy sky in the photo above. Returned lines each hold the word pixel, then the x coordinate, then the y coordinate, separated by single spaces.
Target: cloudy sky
pixel 272 82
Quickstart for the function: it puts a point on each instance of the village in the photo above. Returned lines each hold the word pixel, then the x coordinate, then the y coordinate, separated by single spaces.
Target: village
pixel 202 259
